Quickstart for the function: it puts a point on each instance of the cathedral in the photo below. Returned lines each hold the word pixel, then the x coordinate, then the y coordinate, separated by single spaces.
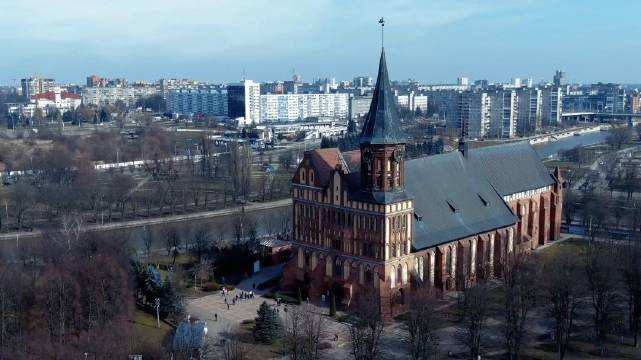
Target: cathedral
pixel 371 221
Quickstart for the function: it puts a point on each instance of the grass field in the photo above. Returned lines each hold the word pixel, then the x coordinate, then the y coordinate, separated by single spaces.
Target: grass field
pixel 146 331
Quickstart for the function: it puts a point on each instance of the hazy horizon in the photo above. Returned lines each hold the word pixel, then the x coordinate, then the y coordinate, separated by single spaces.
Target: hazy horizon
pixel 433 42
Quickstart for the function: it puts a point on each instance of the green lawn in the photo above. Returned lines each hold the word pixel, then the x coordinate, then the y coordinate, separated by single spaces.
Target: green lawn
pixel 145 329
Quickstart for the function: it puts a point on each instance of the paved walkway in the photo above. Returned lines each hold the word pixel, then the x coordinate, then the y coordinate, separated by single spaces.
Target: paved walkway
pixel 231 316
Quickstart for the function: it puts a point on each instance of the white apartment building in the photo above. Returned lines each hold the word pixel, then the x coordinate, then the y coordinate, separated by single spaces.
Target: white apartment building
pixel 412 101
pixel 244 101
pixel 100 96
pixel 210 100
pixel 551 106
pixel 33 86
pixel 479 114
pixel 294 107
pixel 504 112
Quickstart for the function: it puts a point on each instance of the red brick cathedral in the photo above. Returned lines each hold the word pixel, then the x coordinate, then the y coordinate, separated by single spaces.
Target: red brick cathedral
pixel 368 220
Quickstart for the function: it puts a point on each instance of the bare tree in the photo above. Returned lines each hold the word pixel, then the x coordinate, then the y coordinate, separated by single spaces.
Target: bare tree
pixel 71 226
pixel 473 307
pixel 600 263
pixel 563 290
pixel 366 330
pixel 303 333
pixel 518 297
pixel 420 323
pixel 200 242
pixel 172 241
pixel 148 240
pixel 630 267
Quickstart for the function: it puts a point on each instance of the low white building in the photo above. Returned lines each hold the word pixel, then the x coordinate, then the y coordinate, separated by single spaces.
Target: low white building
pixel 47 102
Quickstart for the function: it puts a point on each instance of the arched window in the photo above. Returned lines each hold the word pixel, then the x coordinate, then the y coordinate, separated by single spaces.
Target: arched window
pixel 448 260
pixel 392 277
pixel 338 268
pixel 399 275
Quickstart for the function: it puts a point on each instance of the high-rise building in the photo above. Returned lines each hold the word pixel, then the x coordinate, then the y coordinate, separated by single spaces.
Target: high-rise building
pixel 463 81
pixel 33 86
pixel 478 113
pixel 503 114
pixel 530 108
pixel 552 104
pixel 244 101
pixel 559 79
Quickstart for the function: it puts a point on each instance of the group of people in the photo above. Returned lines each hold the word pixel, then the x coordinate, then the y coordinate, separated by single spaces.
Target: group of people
pixel 244 295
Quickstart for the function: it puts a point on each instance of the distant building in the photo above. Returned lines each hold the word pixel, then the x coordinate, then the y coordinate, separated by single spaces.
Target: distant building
pixel 34 85
pixel 244 101
pixel 559 79
pixel 100 96
pixel 359 106
pixel 205 100
pixel 463 81
pixel 504 112
pixel 362 81
pixel 295 107
pixel 552 105
pixel 530 110
pixel 478 121
pixel 96 81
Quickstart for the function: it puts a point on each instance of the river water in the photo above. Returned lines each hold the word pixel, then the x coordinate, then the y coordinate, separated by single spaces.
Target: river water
pixel 551 148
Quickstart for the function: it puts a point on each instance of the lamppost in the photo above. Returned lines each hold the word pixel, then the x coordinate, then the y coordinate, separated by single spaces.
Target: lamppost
pixel 158 312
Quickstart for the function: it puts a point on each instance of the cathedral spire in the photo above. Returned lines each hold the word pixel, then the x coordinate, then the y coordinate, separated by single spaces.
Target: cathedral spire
pixel 382 125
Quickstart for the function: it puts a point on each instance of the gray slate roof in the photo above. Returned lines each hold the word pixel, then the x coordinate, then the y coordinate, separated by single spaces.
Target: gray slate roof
pixel 382 125
pixel 452 200
pixel 511 168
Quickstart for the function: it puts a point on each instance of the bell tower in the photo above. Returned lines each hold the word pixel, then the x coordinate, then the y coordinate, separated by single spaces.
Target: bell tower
pixel 382 141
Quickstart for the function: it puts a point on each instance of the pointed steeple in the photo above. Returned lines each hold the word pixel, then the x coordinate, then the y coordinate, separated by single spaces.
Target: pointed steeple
pixel 382 125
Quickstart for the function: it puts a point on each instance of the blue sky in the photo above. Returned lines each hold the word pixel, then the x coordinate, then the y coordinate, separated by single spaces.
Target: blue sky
pixel 214 40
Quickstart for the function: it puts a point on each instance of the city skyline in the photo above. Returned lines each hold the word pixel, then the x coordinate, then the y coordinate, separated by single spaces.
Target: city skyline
pixel 430 42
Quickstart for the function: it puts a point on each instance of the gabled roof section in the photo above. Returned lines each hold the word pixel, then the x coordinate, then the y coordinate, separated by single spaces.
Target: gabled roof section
pixel 511 168
pixel 452 200
pixel 382 125
pixel 324 161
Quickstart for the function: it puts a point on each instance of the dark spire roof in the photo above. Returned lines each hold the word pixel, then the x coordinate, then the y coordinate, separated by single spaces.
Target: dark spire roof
pixel 382 125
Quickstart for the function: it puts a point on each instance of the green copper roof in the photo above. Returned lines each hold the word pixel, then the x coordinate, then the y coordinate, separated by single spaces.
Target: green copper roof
pixel 382 125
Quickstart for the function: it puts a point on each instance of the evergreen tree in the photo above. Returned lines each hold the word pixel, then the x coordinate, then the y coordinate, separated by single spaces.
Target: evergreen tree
pixel 171 304
pixel 269 326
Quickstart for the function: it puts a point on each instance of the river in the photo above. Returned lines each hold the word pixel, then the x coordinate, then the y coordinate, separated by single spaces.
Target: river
pixel 544 150
pixel 551 148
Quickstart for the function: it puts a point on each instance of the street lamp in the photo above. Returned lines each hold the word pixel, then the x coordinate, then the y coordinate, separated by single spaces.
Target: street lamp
pixel 158 312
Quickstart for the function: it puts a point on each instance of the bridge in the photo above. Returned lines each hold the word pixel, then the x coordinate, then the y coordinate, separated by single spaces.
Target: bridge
pixel 592 116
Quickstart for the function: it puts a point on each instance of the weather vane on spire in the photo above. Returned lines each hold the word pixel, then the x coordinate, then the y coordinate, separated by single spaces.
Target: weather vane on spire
pixel 382 22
